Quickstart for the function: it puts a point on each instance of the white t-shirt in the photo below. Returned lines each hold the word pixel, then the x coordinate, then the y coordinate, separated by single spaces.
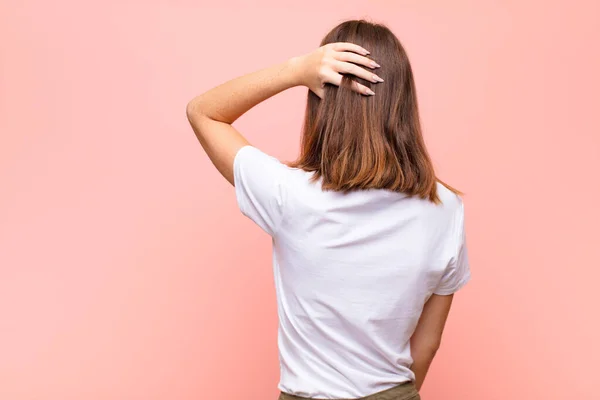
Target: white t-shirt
pixel 352 273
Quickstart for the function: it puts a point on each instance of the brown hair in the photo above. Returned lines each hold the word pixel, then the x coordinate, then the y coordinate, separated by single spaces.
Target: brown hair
pixel 357 142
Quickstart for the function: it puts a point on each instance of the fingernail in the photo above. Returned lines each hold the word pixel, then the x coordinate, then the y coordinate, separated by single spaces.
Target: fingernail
pixel 370 92
pixel 366 51
pixel 375 65
pixel 378 79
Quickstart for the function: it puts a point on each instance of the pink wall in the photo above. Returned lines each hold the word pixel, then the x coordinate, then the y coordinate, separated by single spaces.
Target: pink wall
pixel 126 271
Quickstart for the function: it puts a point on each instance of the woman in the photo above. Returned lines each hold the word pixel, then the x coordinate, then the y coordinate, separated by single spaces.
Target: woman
pixel 368 246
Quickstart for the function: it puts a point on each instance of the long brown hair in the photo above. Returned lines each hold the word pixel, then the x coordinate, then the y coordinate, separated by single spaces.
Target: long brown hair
pixel 357 142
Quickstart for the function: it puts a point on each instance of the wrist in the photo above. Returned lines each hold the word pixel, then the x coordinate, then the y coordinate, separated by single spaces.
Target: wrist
pixel 294 66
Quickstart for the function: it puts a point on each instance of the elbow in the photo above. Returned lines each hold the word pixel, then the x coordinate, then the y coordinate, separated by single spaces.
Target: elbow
pixel 191 110
pixel 196 115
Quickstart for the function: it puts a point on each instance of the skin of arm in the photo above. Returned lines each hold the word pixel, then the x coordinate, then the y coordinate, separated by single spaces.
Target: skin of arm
pixel 212 113
pixel 426 339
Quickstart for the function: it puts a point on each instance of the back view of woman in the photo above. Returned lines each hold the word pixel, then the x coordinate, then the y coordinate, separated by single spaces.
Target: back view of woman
pixel 368 245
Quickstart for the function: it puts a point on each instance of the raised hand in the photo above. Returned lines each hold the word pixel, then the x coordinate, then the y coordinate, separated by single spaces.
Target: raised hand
pixel 327 64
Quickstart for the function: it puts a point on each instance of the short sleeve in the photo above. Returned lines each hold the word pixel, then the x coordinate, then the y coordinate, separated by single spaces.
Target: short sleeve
pixel 259 187
pixel 458 271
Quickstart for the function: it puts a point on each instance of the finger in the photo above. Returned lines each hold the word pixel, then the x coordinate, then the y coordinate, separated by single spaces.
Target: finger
pixel 336 79
pixel 349 68
pixel 346 46
pixel 356 59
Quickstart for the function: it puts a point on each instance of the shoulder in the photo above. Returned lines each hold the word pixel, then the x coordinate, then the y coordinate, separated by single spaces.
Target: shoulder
pixel 253 166
pixel 253 155
pixel 253 162
pixel 451 202
pixel 454 209
pixel 447 215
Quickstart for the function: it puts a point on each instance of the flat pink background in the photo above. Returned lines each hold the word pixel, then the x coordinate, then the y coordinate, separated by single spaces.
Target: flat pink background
pixel 127 271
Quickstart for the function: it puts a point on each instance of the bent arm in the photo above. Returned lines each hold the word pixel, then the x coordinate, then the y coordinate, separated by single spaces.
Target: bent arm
pixel 427 337
pixel 212 113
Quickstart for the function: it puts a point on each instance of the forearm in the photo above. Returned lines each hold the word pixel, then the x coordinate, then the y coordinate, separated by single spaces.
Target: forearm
pixel 421 362
pixel 228 101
